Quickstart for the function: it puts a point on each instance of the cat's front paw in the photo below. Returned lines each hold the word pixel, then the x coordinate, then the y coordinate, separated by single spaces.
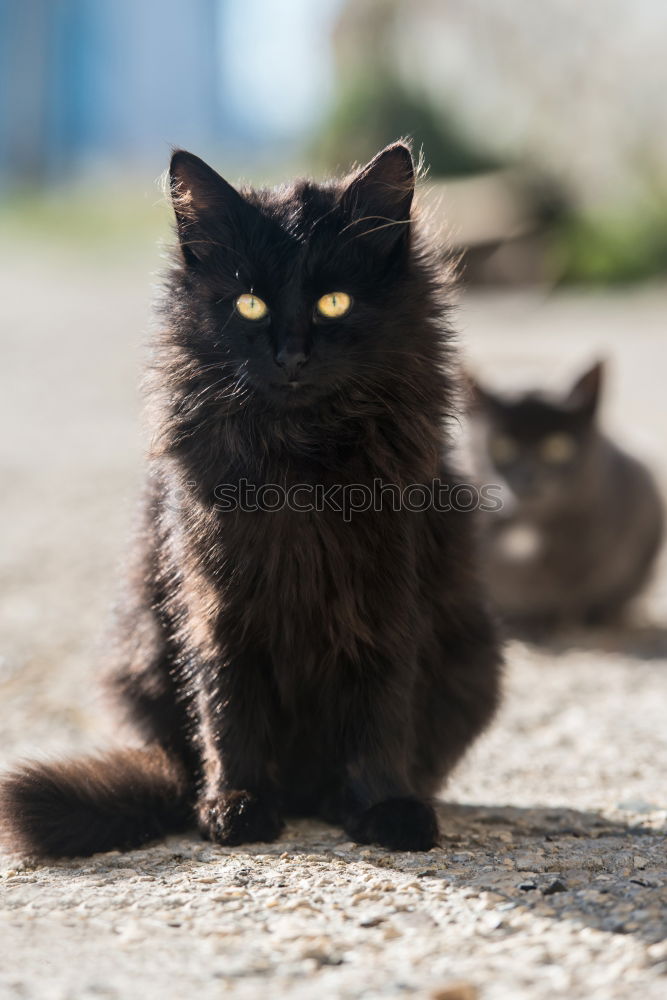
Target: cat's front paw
pixel 238 817
pixel 399 824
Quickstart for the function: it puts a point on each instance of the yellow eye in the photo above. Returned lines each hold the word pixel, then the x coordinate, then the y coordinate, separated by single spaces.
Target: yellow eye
pixel 503 449
pixel 557 448
pixel 334 305
pixel 251 307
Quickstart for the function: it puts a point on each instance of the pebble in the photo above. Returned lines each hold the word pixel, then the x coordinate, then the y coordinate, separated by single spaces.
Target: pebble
pixel 457 991
pixel 556 885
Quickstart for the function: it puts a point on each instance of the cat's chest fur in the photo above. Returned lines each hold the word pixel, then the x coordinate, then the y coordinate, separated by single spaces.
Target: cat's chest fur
pixel 302 558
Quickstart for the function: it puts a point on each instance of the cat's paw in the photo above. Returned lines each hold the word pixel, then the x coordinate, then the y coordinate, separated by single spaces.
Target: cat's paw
pixel 238 817
pixel 399 824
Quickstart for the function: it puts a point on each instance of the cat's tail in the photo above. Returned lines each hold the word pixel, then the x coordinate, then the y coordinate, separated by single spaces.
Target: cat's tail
pixel 118 800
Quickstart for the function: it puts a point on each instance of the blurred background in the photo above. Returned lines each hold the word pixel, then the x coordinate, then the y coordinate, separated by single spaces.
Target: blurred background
pixel 548 121
pixel 544 130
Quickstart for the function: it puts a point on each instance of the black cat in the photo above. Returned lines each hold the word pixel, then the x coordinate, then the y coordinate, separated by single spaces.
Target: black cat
pixel 305 658
pixel 582 522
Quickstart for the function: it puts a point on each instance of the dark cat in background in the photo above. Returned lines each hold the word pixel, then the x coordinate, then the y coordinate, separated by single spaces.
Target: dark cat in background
pixel 582 520
pixel 288 661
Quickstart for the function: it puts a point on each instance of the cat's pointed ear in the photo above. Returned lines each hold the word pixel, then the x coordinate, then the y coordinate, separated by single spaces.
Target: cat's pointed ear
pixel 584 396
pixel 478 398
pixel 378 198
pixel 204 204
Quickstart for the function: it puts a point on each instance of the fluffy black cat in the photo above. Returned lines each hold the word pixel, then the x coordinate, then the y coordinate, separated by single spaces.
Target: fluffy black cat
pixel 298 657
pixel 583 520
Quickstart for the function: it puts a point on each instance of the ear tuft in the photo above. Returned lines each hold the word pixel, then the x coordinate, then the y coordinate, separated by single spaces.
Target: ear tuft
pixel 195 187
pixel 379 197
pixel 203 203
pixel 392 167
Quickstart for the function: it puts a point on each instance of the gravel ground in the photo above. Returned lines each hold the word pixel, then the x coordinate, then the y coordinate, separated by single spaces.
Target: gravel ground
pixel 551 878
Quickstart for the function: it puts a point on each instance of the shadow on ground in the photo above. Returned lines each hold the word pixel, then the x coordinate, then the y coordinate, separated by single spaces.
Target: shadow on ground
pixel 558 863
pixel 641 642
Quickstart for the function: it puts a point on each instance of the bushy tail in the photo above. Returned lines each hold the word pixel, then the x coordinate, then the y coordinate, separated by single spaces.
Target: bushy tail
pixel 118 800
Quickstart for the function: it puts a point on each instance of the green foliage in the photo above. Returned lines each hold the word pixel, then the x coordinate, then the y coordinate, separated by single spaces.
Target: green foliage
pixel 612 249
pixel 377 109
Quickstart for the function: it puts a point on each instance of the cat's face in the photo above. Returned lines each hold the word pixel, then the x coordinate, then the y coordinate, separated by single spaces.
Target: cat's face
pixel 539 447
pixel 299 292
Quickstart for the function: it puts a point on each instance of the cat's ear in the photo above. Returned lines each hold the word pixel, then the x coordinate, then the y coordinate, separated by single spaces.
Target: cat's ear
pixel 584 396
pixel 204 203
pixel 377 200
pixel 478 399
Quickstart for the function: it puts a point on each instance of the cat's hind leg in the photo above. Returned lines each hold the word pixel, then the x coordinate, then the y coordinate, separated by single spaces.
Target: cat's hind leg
pixel 141 679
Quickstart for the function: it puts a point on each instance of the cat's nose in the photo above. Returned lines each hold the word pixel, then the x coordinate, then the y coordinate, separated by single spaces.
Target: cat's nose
pixel 291 360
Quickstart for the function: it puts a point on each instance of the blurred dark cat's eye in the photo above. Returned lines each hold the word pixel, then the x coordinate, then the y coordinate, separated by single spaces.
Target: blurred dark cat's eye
pixel 557 448
pixel 333 305
pixel 504 449
pixel 251 307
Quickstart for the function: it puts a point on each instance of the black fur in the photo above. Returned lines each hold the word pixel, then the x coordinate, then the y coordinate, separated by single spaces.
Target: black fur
pixel 120 800
pixel 298 661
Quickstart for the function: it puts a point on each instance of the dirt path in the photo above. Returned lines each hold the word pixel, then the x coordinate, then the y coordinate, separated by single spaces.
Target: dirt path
pixel 551 880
